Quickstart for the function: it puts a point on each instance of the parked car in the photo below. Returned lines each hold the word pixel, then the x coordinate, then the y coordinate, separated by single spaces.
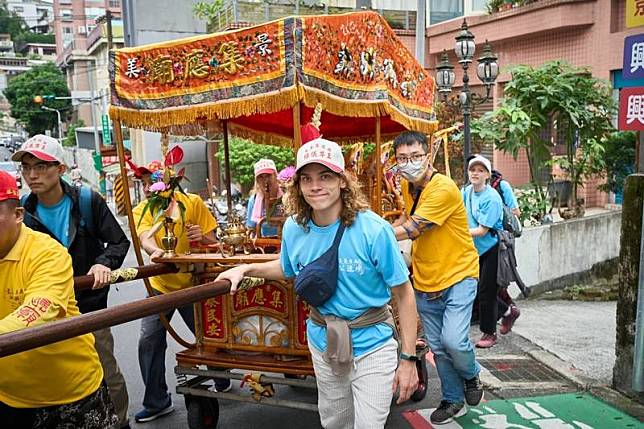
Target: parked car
pixel 12 168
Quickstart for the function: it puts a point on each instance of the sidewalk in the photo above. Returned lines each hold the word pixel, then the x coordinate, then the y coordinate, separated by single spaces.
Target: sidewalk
pixel 553 371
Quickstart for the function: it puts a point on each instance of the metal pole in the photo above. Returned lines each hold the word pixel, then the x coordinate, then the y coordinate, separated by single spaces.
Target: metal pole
pixel 638 353
pixel 90 78
pixel 379 172
pixel 420 32
pixel 465 104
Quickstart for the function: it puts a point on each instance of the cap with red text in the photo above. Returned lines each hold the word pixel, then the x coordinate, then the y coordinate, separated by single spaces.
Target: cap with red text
pixel 42 147
pixel 8 187
pixel 321 151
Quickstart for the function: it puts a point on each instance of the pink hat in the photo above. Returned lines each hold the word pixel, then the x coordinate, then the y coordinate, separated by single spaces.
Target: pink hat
pixel 42 147
pixel 323 152
pixel 265 166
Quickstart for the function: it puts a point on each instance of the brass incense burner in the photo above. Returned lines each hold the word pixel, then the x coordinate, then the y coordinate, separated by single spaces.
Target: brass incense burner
pixel 235 236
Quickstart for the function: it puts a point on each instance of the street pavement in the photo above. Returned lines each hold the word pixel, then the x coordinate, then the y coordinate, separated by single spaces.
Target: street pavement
pixel 545 358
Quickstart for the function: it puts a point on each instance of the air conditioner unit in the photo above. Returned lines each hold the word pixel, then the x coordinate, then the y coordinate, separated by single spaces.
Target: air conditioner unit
pixel 81 29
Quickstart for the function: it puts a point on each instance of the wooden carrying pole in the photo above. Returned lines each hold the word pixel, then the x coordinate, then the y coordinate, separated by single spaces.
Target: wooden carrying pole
pixel 30 338
pixel 229 185
pixel 86 282
pixel 379 177
pixel 120 150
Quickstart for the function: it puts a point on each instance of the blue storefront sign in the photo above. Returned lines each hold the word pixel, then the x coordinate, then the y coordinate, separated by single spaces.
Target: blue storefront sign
pixel 633 67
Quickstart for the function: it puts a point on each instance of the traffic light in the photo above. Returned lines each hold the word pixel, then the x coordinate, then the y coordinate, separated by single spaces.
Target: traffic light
pixel 40 99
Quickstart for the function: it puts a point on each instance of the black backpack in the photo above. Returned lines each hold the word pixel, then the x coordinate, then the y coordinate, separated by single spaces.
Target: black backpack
pixel 510 222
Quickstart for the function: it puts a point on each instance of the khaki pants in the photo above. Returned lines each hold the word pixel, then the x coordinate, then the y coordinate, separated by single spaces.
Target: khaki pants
pixel 112 374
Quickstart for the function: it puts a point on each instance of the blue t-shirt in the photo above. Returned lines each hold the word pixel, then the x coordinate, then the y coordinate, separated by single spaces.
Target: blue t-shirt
pixel 267 230
pixel 370 264
pixel 56 218
pixel 508 197
pixel 484 208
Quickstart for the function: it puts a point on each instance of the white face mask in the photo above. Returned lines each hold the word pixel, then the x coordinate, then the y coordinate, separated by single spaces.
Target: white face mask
pixel 412 173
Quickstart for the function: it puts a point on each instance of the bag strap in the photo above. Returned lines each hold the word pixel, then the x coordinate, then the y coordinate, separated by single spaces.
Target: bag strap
pixel 85 205
pixel 338 236
pixel 420 191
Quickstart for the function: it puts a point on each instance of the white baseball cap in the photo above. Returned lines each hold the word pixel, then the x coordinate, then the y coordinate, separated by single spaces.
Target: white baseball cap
pixel 479 159
pixel 42 147
pixel 323 152
pixel 265 166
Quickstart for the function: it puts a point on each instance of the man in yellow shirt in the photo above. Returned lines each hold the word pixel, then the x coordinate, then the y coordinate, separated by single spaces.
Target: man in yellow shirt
pixel 199 227
pixel 60 384
pixel 445 272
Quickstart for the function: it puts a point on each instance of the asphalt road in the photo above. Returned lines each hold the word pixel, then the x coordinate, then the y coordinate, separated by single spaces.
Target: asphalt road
pixel 235 414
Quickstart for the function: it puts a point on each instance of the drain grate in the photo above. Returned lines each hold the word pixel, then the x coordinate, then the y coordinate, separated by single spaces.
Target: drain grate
pixel 522 369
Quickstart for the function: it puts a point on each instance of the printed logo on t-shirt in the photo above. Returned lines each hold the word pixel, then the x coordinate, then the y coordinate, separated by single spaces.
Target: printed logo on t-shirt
pixel 14 297
pixel 349 265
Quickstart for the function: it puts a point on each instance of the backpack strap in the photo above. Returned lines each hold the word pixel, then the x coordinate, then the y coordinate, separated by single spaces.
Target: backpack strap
pixel 85 203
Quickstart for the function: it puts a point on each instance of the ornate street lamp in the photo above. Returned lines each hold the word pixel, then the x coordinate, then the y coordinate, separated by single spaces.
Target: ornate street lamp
pixel 445 75
pixel 487 71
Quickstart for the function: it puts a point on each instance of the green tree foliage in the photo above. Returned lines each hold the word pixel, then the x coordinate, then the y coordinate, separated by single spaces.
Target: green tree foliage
pixel 11 23
pixel 41 80
pixel 244 154
pixel 70 138
pixel 619 156
pixel 580 106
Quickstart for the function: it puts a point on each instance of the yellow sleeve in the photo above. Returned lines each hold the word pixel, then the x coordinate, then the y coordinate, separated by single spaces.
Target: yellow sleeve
pixel 438 204
pixel 142 224
pixel 201 215
pixel 50 286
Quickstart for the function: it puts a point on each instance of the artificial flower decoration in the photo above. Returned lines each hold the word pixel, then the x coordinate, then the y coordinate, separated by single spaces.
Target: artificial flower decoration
pixel 165 182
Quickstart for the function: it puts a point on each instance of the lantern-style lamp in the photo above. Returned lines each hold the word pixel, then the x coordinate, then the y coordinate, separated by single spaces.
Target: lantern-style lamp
pixel 465 46
pixel 445 75
pixel 488 67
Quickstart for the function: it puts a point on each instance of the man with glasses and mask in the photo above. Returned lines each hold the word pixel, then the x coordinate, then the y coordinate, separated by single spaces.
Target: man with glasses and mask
pixel 445 272
pixel 97 245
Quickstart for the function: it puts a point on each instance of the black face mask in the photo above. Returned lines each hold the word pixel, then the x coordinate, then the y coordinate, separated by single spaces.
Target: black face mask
pixel 316 282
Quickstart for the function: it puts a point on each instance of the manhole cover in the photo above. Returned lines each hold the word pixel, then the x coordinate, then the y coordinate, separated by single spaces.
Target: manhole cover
pixel 520 370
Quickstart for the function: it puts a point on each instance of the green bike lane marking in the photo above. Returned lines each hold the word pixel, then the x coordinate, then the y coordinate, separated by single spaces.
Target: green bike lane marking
pixel 563 411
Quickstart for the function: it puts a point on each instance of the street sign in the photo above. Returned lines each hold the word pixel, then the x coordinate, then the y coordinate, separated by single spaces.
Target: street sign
pixel 633 66
pixel 634 13
pixel 107 135
pixel 631 109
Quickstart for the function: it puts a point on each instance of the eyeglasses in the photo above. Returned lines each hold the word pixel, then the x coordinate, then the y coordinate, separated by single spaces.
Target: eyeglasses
pixel 39 167
pixel 414 159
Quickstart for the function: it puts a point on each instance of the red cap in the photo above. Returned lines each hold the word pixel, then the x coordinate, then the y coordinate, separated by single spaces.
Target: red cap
pixel 8 187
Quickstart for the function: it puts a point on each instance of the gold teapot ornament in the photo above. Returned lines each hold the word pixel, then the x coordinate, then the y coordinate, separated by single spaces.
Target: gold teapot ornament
pixel 235 236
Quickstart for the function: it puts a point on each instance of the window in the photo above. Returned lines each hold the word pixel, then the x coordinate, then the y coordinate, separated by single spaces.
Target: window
pixel 68 30
pixel 115 3
pixel 66 14
pixel 442 10
pixel 18 9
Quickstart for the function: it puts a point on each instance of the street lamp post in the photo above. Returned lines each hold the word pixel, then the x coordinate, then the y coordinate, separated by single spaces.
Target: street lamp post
pixel 60 123
pixel 487 72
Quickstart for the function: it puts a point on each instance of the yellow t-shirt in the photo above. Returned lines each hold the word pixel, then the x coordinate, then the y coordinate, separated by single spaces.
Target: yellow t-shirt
pixel 444 254
pixel 37 277
pixel 197 214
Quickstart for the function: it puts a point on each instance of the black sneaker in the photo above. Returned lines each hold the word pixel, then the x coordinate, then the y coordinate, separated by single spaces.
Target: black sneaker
pixel 473 391
pixel 223 384
pixel 447 412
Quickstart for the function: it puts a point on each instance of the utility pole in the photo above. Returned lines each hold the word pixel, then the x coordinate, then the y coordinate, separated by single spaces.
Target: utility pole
pixel 108 18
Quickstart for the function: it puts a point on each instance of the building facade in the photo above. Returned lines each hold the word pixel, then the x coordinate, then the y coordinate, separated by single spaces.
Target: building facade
pixel 77 32
pixel 585 33
pixel 37 14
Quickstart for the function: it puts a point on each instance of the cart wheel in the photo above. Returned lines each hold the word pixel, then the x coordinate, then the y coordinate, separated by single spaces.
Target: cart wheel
pixel 421 391
pixel 203 413
pixel 295 376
